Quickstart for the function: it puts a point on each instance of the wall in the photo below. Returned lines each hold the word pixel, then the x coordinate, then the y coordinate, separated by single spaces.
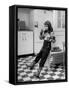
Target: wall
pixel 40 16
pixel 59 31
pixel 24 15
pixel 37 17
pixel 25 38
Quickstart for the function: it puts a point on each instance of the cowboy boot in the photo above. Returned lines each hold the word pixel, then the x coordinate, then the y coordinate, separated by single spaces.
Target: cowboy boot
pixel 38 72
pixel 31 66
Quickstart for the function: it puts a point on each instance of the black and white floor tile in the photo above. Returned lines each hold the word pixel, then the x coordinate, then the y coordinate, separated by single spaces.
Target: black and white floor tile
pixel 25 74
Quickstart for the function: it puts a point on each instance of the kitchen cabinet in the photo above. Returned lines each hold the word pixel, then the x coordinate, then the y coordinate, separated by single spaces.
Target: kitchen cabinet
pixel 25 42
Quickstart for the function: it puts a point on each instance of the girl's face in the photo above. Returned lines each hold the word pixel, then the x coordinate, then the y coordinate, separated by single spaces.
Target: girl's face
pixel 46 27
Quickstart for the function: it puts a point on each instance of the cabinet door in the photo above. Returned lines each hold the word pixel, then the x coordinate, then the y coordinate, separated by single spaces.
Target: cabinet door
pixel 25 42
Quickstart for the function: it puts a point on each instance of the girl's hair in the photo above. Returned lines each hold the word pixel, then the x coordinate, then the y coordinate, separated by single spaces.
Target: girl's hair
pixel 50 29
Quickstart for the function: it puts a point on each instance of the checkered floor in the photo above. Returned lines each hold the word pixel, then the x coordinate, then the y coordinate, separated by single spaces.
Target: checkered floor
pixel 25 74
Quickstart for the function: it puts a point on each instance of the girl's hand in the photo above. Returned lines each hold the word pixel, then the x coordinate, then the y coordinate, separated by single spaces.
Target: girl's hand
pixel 42 36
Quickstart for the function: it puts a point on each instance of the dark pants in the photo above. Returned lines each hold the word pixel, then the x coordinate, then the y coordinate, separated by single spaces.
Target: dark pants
pixel 43 54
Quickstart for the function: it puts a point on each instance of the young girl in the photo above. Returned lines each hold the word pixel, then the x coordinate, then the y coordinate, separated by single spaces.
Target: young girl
pixel 47 36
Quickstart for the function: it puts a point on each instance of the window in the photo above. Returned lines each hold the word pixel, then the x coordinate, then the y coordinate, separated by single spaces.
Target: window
pixel 60 19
